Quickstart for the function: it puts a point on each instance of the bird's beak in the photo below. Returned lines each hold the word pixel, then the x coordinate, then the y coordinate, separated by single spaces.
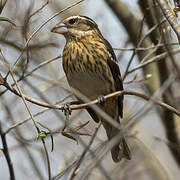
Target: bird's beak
pixel 60 28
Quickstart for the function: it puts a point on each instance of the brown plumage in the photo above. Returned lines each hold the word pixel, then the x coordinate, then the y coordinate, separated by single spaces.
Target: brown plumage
pixel 90 66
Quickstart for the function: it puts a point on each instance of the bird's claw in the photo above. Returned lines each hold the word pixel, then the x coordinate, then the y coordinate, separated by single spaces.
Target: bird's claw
pixel 66 109
pixel 101 100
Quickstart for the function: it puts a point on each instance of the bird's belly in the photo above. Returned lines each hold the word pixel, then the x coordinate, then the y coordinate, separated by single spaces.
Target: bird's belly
pixel 90 84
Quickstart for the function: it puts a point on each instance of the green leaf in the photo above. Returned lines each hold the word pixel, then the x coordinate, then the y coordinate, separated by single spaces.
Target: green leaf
pixel 7 20
pixel 44 134
pixel 69 136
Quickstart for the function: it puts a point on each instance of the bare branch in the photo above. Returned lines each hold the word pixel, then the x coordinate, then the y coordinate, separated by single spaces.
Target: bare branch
pixel 170 16
pixel 6 154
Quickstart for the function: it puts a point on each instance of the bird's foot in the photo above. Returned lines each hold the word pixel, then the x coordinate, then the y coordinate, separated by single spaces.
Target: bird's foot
pixel 66 109
pixel 101 100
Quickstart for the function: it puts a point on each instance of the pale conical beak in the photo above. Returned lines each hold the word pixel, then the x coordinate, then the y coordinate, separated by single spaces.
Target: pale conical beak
pixel 60 28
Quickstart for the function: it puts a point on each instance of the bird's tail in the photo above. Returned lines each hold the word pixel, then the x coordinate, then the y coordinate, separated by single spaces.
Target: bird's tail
pixel 120 150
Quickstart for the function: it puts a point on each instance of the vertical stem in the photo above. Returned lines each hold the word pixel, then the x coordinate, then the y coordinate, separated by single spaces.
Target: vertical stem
pixel 6 154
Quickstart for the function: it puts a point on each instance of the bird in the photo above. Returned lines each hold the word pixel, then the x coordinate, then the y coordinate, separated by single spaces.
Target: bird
pixel 90 66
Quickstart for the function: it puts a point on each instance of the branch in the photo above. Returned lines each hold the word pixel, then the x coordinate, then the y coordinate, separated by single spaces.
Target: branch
pixel 131 23
pixel 96 101
pixel 29 73
pixel 154 59
pixel 85 105
pixel 30 113
pixel 40 27
pixel 170 16
pixel 6 154
pixel 38 10
pixel 84 153
pixel 2 4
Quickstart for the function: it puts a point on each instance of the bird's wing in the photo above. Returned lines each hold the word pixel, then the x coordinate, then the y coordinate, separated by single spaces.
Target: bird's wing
pixel 112 62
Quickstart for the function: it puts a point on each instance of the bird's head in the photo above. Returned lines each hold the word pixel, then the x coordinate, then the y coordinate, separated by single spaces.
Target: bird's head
pixel 76 27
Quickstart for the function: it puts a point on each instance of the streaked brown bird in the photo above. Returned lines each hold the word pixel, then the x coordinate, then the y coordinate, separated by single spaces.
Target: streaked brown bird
pixel 90 66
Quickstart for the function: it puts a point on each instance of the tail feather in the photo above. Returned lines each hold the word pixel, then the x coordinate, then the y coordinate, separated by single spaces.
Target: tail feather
pixel 126 150
pixel 115 151
pixel 121 150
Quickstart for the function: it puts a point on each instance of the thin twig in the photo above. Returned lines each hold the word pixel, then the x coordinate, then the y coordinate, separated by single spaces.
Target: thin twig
pixel 6 154
pixel 22 142
pixel 170 16
pixel 168 48
pixel 134 52
pixel 37 114
pixel 151 30
pixel 85 105
pixel 31 115
pixel 2 5
pixel 115 140
pixel 38 10
pixel 145 48
pixel 32 71
pixel 154 59
pixel 40 27
pixel 84 153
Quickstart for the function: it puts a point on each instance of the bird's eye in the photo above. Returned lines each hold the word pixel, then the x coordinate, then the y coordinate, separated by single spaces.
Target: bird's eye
pixel 72 21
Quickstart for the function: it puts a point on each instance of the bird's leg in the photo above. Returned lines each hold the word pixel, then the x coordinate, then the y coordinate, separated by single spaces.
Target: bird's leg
pixel 66 107
pixel 67 111
pixel 101 100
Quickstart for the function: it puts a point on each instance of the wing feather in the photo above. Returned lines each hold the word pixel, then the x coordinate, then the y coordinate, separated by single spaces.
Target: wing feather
pixel 112 62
